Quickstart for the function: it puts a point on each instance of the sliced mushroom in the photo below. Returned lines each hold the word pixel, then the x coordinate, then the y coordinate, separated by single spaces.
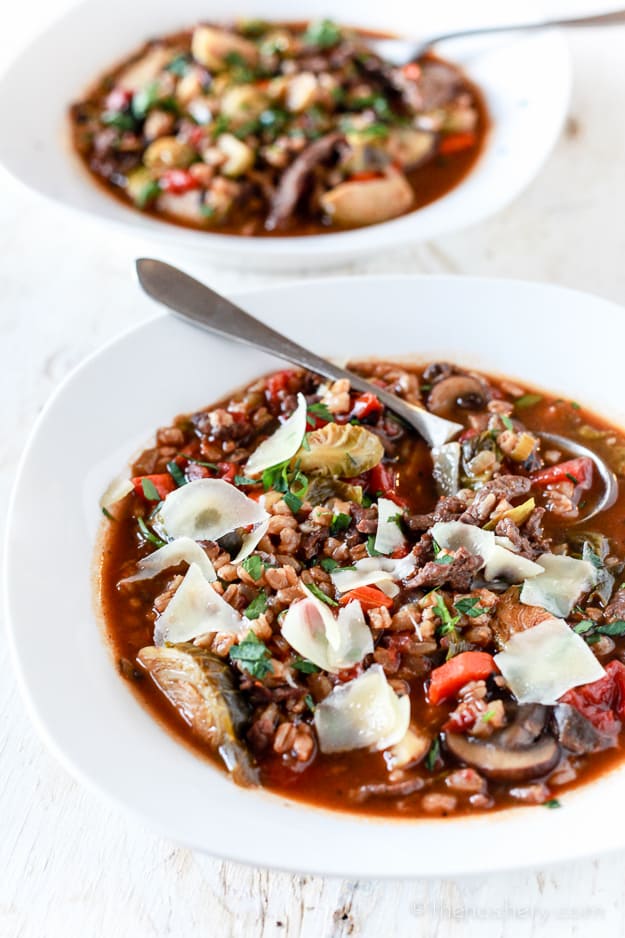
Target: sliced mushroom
pixel 456 392
pixel 370 202
pixel 509 765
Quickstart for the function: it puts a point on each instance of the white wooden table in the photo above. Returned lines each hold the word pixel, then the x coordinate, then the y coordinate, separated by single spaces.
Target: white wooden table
pixel 70 865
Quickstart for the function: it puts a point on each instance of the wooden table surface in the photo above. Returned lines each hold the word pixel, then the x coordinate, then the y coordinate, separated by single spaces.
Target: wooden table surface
pixel 71 865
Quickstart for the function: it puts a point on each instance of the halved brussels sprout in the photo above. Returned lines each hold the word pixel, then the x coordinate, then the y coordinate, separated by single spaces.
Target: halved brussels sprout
pixel 341 450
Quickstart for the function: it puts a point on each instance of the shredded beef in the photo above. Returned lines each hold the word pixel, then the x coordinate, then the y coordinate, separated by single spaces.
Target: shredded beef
pixel 366 519
pixel 294 179
pixel 616 607
pixel 529 542
pixel 458 574
pixel 386 789
pixel 448 508
pixel 491 493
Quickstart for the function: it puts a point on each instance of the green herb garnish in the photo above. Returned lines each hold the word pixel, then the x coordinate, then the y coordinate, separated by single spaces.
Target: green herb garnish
pixel 340 522
pixel 469 606
pixel 244 480
pixel 145 99
pixel 305 666
pixel 107 514
pixel 293 502
pixel 323 33
pixel 148 534
pixel 176 473
pixel 507 422
pixel 253 655
pixel 434 754
pixel 371 547
pixel 150 191
pixel 528 400
pixel 257 606
pixel 179 65
pixel 320 410
pixel 314 589
pixel 310 703
pixel 149 490
pixel 118 119
pixel 552 803
pixel 448 622
pixel 254 566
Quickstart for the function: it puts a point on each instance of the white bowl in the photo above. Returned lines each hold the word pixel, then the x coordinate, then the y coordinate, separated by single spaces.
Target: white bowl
pixel 526 80
pixel 90 717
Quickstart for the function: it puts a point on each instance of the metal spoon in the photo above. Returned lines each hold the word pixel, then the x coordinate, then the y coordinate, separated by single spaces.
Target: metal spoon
pixel 402 51
pixel 197 304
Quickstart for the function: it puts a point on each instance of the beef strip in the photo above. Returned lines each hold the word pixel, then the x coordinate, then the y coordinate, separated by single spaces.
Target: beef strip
pixel 386 789
pixel 491 493
pixel 458 574
pixel 529 542
pixel 448 508
pixel 616 607
pixel 293 181
pixel 577 734
pixel 439 84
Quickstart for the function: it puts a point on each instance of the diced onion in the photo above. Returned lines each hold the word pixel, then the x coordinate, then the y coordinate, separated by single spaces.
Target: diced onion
pixel 195 609
pixel 543 662
pixel 281 445
pixel 361 713
pixel 206 509
pixel 388 536
pixel 182 549
pixel 560 585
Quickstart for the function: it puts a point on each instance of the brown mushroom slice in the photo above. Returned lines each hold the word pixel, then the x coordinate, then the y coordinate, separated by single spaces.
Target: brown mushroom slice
pixel 456 391
pixel 513 616
pixel 507 765
pixel 201 688
pixel 369 202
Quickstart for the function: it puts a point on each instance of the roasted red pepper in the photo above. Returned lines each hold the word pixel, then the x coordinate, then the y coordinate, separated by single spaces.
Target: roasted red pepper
pixel 161 483
pixel 603 701
pixel 447 680
pixel 579 471
pixel 369 597
pixel 178 181
pixel 366 405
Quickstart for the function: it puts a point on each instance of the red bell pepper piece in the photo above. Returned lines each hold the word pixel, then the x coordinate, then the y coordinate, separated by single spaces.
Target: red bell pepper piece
pixel 382 481
pixel 228 470
pixel 277 384
pixel 579 471
pixel 456 143
pixel 369 597
pixel 178 181
pixel 447 680
pixel 161 482
pixel 118 99
pixel 366 405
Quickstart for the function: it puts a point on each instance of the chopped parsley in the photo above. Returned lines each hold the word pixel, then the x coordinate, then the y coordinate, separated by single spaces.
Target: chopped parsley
pixel 340 522
pixel 572 478
pixel 118 119
pixel 198 462
pixel 552 803
pixel 176 473
pixel 321 410
pixel 448 622
pixel 257 606
pixel 314 589
pixel 254 566
pixel 149 490
pixel 179 65
pixel 150 191
pixel 310 703
pixel 107 514
pixel 434 754
pixel 469 606
pixel 371 547
pixel 148 534
pixel 244 480
pixel 439 557
pixel 507 422
pixel 329 564
pixel 253 656
pixel 293 501
pixel 305 666
pixel 145 99
pixel 487 716
pixel 323 33
pixel 591 631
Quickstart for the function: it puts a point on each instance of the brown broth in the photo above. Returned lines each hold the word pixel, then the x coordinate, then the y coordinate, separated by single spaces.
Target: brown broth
pixel 325 782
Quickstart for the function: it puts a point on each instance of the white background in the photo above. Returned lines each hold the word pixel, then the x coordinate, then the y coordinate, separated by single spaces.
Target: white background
pixel 69 864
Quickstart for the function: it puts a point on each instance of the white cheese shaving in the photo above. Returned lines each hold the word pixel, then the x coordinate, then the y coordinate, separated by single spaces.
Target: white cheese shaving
pixel 374 571
pixel 251 541
pixel 560 585
pixel 543 662
pixel 206 509
pixel 364 712
pixel 388 535
pixel 500 562
pixel 114 493
pixel 281 445
pixel 195 609
pixel 311 628
pixel 183 548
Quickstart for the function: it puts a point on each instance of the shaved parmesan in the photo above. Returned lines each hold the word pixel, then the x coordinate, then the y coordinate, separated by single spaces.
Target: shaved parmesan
pixel 446 468
pixel 182 549
pixel 331 643
pixel 500 561
pixel 251 541
pixel 560 585
pixel 504 564
pixel 195 609
pixel 364 712
pixel 374 571
pixel 388 535
pixel 114 493
pixel 281 445
pixel 206 509
pixel 543 662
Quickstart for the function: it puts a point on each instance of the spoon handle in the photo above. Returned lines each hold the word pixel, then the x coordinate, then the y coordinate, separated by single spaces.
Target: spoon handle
pixel 600 19
pixel 198 304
